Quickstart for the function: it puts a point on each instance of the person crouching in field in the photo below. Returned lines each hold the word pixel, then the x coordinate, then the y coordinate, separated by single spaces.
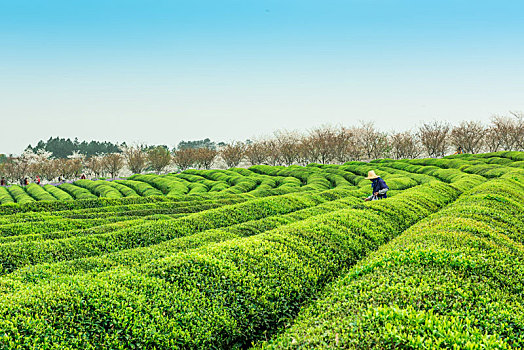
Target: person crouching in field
pixel 378 185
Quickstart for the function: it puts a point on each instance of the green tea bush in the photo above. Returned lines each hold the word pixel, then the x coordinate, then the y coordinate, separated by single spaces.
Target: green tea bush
pixel 15 255
pixel 143 255
pixel 126 191
pixel 38 193
pixel 170 186
pixel 77 192
pixel 100 188
pixel 5 196
pixel 142 188
pixel 58 193
pixel 19 195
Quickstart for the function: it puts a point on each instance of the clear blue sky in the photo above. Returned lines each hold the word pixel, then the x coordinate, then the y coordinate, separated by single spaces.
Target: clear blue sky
pixel 165 71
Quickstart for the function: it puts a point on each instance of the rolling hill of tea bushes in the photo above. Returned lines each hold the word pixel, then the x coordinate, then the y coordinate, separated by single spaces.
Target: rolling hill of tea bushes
pixel 269 257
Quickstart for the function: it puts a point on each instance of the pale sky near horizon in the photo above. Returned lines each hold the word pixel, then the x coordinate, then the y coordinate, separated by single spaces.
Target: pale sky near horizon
pixel 164 71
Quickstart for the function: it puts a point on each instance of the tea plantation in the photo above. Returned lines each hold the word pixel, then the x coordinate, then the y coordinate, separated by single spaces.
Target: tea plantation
pixel 269 257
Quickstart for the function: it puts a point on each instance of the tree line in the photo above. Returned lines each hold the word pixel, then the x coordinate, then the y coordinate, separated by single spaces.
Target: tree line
pixel 326 144
pixel 63 148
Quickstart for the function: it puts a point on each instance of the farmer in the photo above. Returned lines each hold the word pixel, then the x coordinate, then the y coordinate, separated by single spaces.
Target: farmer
pixel 378 185
pixel 3 182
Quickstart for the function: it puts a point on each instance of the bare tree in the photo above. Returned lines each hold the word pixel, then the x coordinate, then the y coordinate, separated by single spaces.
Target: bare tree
pixel 519 129
pixel 340 145
pixel 322 142
pixel 256 153
pixel 113 163
pixel 15 168
pixel 136 158
pixel 433 137
pixel 288 144
pixel 468 136
pixel 233 153
pixel 303 151
pixel 346 145
pixel 308 152
pixel 69 168
pixel 63 168
pixel 273 152
pixel 503 128
pixel 491 140
pixel 355 145
pixel 184 158
pixel 159 158
pixel 404 145
pixel 204 157
pixel 75 164
pixel 49 169
pixel 375 142
pixel 95 165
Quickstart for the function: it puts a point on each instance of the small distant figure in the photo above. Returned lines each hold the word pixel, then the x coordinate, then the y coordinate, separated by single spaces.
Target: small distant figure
pixel 59 179
pixel 26 181
pixel 83 177
pixel 37 180
pixel 378 185
pixel 459 150
pixel 3 182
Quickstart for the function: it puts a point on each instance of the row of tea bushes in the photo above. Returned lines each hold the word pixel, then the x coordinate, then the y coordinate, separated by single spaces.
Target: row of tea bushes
pixel 258 180
pixel 455 177
pixel 309 177
pixel 56 192
pixel 149 208
pixel 100 188
pixel 54 224
pixel 5 196
pixel 454 280
pixel 467 165
pixel 169 185
pixel 513 155
pixel 126 191
pixel 142 188
pixel 395 181
pixel 144 255
pixel 192 178
pixel 49 224
pixel 95 202
pixel 60 234
pixel 77 192
pixel 17 254
pixel 39 193
pixel 19 195
pixel 42 224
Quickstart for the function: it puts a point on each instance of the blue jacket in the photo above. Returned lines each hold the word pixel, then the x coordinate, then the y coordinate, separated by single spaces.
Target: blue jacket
pixel 379 185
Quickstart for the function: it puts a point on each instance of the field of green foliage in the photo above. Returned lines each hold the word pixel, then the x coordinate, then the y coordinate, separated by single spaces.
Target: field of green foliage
pixel 269 257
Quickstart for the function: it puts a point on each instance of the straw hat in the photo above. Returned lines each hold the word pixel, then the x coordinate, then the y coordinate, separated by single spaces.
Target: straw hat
pixel 372 175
